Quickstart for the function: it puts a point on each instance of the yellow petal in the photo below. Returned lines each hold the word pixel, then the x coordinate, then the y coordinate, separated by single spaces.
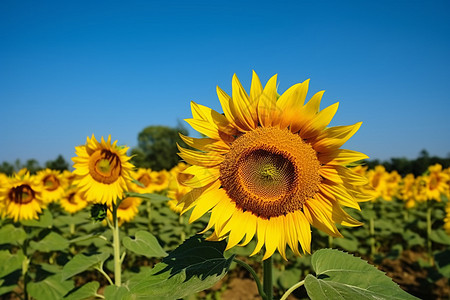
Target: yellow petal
pixel 316 125
pixel 203 159
pixel 241 107
pixel 267 108
pixel 308 112
pixel 261 225
pixel 341 157
pixel 206 144
pixel 291 103
pixel 303 231
pixel 205 202
pixel 197 176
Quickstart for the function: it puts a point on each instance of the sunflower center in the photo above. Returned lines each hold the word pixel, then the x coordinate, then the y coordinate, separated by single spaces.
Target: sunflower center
pixel 51 183
pixel 270 172
pixel 105 166
pixel 145 180
pixel 22 194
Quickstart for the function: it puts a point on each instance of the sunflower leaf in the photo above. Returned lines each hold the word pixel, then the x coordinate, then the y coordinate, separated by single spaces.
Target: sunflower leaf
pixel 149 197
pixel 9 234
pixel 51 242
pixel 81 262
pixel 192 267
pixel 340 275
pixel 84 292
pixel 45 220
pixel 10 262
pixel 145 244
pixel 52 287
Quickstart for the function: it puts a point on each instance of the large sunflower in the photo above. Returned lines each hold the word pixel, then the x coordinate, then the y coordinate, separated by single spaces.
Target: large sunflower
pixel 102 170
pixel 270 167
pixel 20 197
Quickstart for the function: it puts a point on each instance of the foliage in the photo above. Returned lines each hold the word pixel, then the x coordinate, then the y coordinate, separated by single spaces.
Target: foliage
pixel 157 147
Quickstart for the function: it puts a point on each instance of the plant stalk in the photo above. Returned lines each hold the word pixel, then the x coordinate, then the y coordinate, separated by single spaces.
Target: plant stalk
pixel 116 248
pixel 255 276
pixel 429 211
pixel 268 279
pixel 291 289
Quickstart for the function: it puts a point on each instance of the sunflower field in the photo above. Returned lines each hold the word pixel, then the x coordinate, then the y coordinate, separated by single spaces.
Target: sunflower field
pixel 265 205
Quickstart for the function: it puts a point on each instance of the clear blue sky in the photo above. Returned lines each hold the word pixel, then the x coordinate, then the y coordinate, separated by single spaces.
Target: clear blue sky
pixel 70 69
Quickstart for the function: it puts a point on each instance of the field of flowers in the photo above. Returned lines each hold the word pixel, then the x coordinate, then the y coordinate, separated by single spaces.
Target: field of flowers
pixel 65 252
pixel 266 193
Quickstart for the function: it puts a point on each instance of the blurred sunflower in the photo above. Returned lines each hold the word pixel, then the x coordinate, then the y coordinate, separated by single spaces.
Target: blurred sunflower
pixel 176 191
pixel 160 180
pixel 144 178
pixel 73 200
pixel 20 196
pixel 447 219
pixel 102 170
pixel 270 167
pixel 407 190
pixel 53 184
pixel 377 179
pixel 127 209
pixel 436 183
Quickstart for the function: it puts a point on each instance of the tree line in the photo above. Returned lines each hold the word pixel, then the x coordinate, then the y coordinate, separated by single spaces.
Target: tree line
pixel 157 150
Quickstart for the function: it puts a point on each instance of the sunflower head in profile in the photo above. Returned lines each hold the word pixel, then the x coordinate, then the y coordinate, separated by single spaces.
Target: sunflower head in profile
pixel 20 197
pixel 102 170
pixel 270 167
pixel 127 209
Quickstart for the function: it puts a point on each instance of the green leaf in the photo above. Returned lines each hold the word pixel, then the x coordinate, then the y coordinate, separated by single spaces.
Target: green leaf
pixel 442 260
pixel 86 291
pixel 192 267
pixel 6 289
pixel 144 243
pixel 149 197
pixel 9 234
pixel 45 220
pixel 51 242
pixel 439 236
pixel 52 287
pixel 113 292
pixel 340 275
pixel 81 262
pixel 10 262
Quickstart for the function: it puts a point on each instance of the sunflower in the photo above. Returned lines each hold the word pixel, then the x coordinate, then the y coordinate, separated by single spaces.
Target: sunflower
pixel 144 178
pixel 407 190
pixel 102 170
pixel 127 209
pixel 377 180
pixel 20 196
pixel 160 180
pixel 175 190
pixel 73 200
pixel 447 219
pixel 436 183
pixel 53 184
pixel 270 167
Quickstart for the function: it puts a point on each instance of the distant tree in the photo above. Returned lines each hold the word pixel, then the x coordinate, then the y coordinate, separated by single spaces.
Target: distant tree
pixel 32 165
pixel 59 164
pixel 157 147
pixel 7 168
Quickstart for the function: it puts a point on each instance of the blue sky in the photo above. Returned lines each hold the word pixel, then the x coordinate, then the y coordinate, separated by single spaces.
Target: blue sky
pixel 72 69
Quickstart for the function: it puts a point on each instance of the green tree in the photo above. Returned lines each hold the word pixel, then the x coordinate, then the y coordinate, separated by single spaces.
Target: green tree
pixel 157 147
pixel 59 164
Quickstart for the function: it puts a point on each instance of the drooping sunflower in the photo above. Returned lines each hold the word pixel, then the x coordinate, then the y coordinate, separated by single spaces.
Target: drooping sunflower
pixel 73 200
pixel 53 183
pixel 270 167
pixel 20 196
pixel 102 169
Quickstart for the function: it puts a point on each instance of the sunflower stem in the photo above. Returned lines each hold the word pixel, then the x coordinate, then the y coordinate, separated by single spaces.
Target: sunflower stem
pixel 429 211
pixel 268 280
pixel 255 276
pixel 291 289
pixel 116 247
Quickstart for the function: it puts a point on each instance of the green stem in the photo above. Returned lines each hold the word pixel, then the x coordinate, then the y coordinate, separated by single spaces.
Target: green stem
pixel 372 236
pixel 291 289
pixel 100 269
pixel 429 210
pixel 255 276
pixel 268 280
pixel 330 241
pixel 116 248
pixel 149 211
